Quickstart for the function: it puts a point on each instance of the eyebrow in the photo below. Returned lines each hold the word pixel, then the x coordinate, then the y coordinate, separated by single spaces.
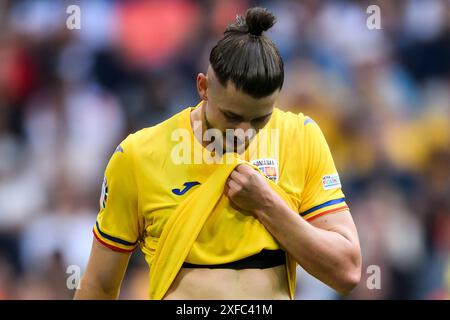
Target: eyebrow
pixel 237 116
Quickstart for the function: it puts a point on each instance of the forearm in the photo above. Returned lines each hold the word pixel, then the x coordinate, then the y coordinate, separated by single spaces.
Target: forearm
pixel 327 255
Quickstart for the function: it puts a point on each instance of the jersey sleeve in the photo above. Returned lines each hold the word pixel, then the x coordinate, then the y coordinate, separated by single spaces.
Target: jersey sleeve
pixel 118 226
pixel 322 193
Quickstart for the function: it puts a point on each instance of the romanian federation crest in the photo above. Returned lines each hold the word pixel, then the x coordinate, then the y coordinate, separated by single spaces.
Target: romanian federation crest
pixel 268 167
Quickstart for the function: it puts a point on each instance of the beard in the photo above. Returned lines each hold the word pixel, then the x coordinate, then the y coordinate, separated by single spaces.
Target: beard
pixel 235 144
pixel 231 143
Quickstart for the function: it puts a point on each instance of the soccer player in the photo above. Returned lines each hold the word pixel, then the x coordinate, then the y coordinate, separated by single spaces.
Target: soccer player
pixel 240 251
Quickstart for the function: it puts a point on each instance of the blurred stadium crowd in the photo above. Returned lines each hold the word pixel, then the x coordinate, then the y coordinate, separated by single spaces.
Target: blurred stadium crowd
pixel 68 97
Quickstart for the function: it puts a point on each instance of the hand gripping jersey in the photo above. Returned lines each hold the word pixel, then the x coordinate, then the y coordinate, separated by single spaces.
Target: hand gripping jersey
pixel 153 170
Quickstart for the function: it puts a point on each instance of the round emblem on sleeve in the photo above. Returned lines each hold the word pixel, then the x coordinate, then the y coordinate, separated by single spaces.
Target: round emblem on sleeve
pixel 104 194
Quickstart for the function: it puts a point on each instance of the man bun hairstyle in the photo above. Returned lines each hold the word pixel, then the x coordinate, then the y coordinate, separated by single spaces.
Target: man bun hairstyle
pixel 247 57
pixel 259 20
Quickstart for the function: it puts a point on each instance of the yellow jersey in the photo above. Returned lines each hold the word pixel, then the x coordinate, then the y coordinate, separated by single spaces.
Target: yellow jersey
pixel 143 185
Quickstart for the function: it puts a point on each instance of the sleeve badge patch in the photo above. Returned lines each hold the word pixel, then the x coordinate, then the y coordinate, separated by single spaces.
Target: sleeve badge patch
pixel 104 194
pixel 331 181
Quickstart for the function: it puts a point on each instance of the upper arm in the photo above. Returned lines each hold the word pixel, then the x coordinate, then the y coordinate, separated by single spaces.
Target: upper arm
pixel 340 222
pixel 104 273
pixel 118 226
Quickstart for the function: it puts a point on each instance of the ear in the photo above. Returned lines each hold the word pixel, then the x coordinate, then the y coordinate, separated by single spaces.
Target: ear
pixel 202 86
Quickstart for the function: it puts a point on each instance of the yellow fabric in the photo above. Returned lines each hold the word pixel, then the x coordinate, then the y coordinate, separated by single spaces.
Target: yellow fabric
pixel 185 224
pixel 118 222
pixel 141 178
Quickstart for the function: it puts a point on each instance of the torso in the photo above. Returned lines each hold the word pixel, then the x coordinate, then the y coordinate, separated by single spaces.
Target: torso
pixel 244 235
pixel 226 284
pixel 230 284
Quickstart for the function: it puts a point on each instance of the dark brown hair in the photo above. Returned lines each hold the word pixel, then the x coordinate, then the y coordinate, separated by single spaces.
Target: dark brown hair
pixel 247 57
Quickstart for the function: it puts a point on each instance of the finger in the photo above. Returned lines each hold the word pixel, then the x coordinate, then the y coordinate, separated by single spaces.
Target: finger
pixel 234 186
pixel 242 168
pixel 226 188
pixel 238 177
pixel 234 206
pixel 245 169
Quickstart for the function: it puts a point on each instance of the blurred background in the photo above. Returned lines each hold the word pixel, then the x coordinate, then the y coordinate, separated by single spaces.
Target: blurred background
pixel 68 97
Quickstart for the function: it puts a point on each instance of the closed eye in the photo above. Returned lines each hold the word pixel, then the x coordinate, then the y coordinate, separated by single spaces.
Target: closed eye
pixel 232 117
pixel 261 119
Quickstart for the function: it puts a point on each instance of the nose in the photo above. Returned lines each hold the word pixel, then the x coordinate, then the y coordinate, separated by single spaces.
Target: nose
pixel 244 126
pixel 247 133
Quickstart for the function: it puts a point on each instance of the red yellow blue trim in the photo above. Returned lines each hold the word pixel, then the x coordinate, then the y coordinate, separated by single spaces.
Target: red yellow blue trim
pixel 111 242
pixel 331 206
pixel 327 212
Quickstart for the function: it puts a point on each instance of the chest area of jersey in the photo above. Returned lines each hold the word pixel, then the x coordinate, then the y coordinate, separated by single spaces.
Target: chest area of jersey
pixel 180 181
pixel 161 193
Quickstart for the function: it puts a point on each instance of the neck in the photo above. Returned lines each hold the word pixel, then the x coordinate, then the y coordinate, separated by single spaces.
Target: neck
pixel 199 114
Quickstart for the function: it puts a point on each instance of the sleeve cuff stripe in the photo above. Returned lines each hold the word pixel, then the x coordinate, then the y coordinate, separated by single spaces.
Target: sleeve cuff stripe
pixel 327 212
pixel 325 204
pixel 111 246
pixel 114 239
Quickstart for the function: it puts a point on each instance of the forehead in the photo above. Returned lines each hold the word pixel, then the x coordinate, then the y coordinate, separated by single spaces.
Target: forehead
pixel 231 99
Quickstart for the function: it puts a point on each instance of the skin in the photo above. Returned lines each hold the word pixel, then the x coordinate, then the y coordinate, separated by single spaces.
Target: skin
pixel 327 247
pixel 103 275
pixel 229 108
